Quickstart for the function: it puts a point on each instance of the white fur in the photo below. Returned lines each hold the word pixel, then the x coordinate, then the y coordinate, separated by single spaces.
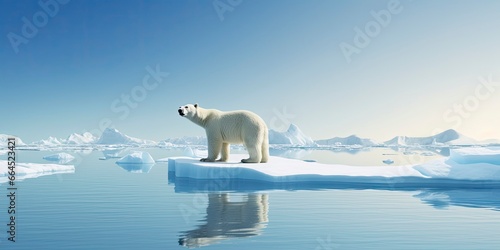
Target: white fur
pixel 232 127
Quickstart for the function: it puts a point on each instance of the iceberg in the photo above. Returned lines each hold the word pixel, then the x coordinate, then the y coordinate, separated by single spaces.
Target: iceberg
pixel 50 142
pixel 33 170
pixel 137 157
pixel 448 137
pixel 186 140
pixel 137 162
pixel 4 138
pixel 293 136
pixel 111 136
pixel 60 158
pixel 282 170
pixel 81 139
pixel 350 140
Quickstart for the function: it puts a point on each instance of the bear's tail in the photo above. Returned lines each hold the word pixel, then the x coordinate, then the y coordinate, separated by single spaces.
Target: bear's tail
pixel 265 147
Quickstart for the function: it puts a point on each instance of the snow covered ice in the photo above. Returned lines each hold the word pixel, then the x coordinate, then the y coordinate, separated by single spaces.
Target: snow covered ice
pixel 474 168
pixel 476 155
pixel 137 162
pixel 59 157
pixel 137 157
pixel 33 170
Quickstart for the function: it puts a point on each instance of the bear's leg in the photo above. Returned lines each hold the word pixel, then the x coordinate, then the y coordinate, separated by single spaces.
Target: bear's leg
pixel 225 152
pixel 265 152
pixel 214 147
pixel 255 153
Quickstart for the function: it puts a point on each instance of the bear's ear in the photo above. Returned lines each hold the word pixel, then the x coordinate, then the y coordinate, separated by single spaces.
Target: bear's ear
pixel 196 105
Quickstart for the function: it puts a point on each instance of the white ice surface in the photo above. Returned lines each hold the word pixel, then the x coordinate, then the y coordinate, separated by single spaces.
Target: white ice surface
pixel 476 155
pixel 290 170
pixel 59 157
pixel 32 170
pixel 137 157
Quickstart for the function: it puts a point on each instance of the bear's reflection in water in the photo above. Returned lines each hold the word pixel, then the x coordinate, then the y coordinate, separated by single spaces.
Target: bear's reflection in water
pixel 228 219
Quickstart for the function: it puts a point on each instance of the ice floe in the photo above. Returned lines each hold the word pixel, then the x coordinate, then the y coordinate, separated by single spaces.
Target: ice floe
pixel 59 157
pixel 486 169
pixel 32 170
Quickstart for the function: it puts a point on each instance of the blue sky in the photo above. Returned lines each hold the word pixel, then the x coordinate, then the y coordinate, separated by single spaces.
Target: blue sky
pixel 418 73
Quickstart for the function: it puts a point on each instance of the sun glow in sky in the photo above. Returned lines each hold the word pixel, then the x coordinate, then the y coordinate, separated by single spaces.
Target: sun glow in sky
pixel 334 68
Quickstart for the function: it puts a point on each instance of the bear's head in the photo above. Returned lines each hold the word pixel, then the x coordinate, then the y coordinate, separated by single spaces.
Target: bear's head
pixel 188 110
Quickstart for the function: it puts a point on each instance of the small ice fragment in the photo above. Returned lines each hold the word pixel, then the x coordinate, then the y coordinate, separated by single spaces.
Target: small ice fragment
pixel 388 161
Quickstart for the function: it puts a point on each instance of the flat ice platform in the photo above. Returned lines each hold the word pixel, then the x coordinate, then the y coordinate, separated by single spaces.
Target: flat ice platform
pixel 282 170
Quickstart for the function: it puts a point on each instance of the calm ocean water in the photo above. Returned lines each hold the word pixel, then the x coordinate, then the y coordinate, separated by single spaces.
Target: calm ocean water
pixel 105 206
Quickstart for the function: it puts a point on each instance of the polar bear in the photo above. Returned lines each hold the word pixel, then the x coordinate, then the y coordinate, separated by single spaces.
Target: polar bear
pixel 231 127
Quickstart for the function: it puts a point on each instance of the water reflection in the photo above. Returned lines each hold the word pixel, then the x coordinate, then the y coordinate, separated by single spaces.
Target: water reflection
pixel 226 218
pixel 140 168
pixel 438 194
pixel 113 152
pixel 475 198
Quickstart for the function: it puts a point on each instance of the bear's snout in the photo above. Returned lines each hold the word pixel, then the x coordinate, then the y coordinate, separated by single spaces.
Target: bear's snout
pixel 180 112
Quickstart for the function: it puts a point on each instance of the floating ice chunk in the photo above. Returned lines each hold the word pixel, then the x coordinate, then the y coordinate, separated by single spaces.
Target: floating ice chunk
pixel 476 155
pixel 290 170
pixel 137 157
pixel 188 151
pixel 388 161
pixel 33 170
pixel 60 158
pixel 162 160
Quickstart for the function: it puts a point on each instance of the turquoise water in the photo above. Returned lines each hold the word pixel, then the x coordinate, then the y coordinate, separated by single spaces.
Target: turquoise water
pixel 104 206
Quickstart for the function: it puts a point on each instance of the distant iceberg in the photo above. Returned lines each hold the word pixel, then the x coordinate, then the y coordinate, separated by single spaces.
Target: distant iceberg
pixel 4 138
pixel 51 141
pixel 448 137
pixel 350 140
pixel 33 170
pixel 111 136
pixel 81 139
pixel 137 157
pixel 293 136
pixel 185 140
